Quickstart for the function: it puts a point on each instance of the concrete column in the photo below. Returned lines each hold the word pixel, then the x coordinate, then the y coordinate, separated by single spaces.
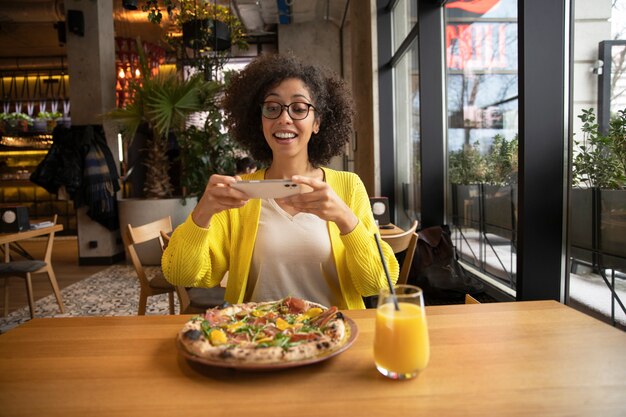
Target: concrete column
pixel 365 90
pixel 318 43
pixel 91 68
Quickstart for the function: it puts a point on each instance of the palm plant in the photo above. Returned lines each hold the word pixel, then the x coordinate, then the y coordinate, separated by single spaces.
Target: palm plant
pixel 163 102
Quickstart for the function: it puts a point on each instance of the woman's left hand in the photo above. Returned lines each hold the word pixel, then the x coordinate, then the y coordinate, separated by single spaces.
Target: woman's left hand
pixel 323 202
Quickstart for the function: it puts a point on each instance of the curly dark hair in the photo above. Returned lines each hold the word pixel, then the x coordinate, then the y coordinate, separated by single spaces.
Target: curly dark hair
pixel 331 97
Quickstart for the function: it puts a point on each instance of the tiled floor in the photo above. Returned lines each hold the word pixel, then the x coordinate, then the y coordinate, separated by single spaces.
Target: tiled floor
pixel 66 268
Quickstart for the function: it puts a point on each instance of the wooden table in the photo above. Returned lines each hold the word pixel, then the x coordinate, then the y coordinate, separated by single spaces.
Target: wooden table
pixel 500 359
pixel 395 230
pixel 7 238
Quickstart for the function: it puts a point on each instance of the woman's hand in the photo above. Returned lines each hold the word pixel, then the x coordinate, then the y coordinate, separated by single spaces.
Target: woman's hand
pixel 323 202
pixel 218 196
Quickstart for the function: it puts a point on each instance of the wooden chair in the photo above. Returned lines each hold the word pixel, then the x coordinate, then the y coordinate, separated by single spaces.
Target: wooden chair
pixel 25 269
pixel 156 284
pixel 470 300
pixel 406 241
pixel 195 300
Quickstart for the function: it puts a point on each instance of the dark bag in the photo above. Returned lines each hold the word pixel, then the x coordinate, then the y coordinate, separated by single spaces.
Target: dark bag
pixel 436 270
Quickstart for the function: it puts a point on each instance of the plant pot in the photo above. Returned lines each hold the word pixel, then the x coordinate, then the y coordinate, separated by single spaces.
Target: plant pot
pixel 22 125
pixel 581 220
pixel 466 208
pixel 206 33
pixel 498 210
pixel 50 125
pixel 39 125
pixel 613 227
pixel 129 4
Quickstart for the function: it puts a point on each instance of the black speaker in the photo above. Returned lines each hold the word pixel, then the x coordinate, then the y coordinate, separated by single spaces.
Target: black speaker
pixel 380 208
pixel 14 219
pixel 76 22
pixel 60 27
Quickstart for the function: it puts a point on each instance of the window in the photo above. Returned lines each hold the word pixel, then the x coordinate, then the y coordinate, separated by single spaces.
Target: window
pixel 482 110
pixel 406 112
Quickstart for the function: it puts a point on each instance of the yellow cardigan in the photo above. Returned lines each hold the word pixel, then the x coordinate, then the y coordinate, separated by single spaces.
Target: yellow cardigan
pixel 229 243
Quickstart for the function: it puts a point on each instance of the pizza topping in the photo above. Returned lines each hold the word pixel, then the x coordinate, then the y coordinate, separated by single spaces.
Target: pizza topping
pixel 325 317
pixel 313 312
pixel 294 305
pixel 193 334
pixel 217 337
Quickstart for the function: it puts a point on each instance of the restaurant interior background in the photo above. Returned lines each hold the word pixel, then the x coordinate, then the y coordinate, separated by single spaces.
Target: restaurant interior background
pixel 467 114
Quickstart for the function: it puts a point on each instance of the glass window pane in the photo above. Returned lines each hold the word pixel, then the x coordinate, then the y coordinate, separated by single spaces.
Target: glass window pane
pixel 404 17
pixel 407 136
pixel 597 224
pixel 482 107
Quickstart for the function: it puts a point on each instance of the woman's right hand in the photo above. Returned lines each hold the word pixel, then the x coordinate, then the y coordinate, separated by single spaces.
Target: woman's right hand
pixel 218 196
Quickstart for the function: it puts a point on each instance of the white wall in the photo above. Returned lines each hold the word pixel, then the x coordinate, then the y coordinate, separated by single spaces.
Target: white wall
pixel 591 26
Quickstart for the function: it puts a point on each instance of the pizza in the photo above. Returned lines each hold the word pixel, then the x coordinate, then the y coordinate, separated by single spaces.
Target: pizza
pixel 280 331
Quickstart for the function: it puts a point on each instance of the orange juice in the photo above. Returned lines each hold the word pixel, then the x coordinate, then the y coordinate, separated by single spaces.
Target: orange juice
pixel 401 343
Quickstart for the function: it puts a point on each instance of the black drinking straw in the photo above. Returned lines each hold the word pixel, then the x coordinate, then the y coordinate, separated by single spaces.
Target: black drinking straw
pixel 382 258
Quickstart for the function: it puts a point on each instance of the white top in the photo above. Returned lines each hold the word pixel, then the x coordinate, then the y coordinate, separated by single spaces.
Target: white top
pixel 292 257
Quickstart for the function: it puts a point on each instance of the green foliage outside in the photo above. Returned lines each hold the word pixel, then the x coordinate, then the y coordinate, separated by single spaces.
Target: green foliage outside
pixel 600 160
pixel 498 167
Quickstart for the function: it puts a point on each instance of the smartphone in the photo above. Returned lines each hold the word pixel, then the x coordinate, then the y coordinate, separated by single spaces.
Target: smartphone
pixel 268 188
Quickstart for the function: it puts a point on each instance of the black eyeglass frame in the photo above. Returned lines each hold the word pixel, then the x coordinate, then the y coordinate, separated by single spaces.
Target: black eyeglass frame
pixel 288 107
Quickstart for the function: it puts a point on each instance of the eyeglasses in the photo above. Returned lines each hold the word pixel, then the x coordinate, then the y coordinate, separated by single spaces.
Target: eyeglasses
pixel 297 110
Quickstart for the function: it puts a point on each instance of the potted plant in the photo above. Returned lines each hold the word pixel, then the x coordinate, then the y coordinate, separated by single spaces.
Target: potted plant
pixel 163 103
pixel 466 170
pixel 500 188
pixel 208 149
pixel 47 121
pixel 18 122
pixel 484 193
pixel 598 199
pixel 208 32
pixel 202 150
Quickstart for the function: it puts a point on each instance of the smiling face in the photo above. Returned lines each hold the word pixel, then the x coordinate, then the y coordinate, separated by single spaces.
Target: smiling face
pixel 286 137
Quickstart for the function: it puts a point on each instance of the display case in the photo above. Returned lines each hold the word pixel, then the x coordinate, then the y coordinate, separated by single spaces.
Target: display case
pixel 19 156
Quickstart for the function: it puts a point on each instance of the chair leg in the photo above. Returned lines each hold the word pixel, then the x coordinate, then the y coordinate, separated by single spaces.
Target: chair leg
pixel 55 288
pixel 171 297
pixel 5 288
pixel 29 292
pixel 143 301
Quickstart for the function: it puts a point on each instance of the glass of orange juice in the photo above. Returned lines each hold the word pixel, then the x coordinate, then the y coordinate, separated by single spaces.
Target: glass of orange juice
pixel 401 345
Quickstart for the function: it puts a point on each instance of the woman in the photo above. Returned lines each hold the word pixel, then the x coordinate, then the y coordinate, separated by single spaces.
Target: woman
pixel 317 245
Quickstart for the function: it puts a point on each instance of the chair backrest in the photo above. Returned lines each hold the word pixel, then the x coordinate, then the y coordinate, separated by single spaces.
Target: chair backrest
pixel 164 239
pixel 48 255
pixel 406 241
pixel 183 294
pixel 470 300
pixel 141 234
pixel 400 242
